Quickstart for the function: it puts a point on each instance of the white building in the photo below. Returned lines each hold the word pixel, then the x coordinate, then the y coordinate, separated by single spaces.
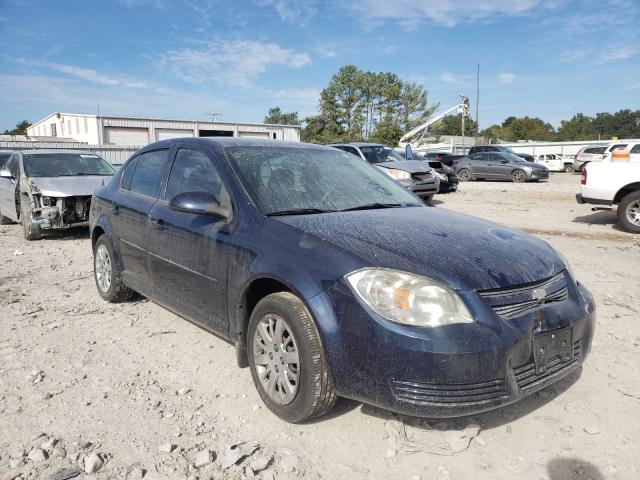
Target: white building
pixel 138 131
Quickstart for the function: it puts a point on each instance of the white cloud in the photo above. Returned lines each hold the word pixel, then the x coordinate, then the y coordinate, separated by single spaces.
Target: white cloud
pixel 506 78
pixel 292 11
pixel 411 13
pixel 447 77
pixel 233 62
pixel 326 52
pixel 616 53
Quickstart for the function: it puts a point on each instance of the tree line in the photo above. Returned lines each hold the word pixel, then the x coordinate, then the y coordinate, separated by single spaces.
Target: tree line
pixel 380 107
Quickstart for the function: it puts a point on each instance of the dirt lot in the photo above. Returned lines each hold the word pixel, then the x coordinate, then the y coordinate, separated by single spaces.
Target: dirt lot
pixel 150 393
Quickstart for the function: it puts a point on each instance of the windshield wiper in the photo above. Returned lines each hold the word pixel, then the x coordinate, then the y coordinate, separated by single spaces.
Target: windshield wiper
pixel 299 211
pixel 372 206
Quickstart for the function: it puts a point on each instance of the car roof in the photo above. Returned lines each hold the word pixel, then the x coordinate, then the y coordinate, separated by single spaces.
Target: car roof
pixel 358 144
pixel 48 151
pixel 237 142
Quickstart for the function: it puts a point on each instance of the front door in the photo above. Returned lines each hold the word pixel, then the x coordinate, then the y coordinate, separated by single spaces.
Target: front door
pixel 189 253
pixel 139 189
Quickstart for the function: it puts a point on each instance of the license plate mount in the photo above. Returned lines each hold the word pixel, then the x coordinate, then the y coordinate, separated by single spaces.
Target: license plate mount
pixel 549 346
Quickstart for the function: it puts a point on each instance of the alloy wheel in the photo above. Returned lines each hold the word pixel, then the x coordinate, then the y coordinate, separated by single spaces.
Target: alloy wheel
pixel 633 212
pixel 464 175
pixel 518 176
pixel 275 355
pixel 103 268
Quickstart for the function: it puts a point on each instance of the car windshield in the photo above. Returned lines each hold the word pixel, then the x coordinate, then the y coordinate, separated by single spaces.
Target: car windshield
pixel 4 157
pixel 380 154
pixel 65 165
pixel 512 157
pixel 299 180
pixel 505 149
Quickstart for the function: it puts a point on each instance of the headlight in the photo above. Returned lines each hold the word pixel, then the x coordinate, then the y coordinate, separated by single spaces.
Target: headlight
pixel 398 174
pixel 408 299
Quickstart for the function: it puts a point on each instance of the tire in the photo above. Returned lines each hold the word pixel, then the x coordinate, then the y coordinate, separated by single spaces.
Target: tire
pixel 518 176
pixel 310 392
pixel 104 267
pixel 464 175
pixel 583 166
pixel 568 169
pixel 629 212
pixel 30 230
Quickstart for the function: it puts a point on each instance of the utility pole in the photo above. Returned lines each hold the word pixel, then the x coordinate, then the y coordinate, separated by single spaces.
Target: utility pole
pixel 214 116
pixel 475 138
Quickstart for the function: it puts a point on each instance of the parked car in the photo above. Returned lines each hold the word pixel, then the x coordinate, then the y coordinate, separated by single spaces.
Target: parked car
pixel 50 189
pixel 607 184
pixel 447 175
pixel 555 162
pixel 445 157
pixel 633 147
pixel 415 175
pixel 499 166
pixel 586 155
pixel 332 280
pixel 499 148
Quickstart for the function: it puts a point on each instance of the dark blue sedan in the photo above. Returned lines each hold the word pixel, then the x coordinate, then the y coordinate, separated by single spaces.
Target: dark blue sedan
pixel 332 280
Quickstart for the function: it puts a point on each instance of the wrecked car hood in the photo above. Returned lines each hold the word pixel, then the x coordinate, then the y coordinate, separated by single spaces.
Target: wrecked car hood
pixel 76 186
pixel 411 166
pixel 459 250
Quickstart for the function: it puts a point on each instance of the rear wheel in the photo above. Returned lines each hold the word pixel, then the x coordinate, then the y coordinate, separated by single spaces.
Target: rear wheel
pixel 629 212
pixel 286 359
pixel 110 286
pixel 584 165
pixel 568 169
pixel 518 176
pixel 464 175
pixel 30 230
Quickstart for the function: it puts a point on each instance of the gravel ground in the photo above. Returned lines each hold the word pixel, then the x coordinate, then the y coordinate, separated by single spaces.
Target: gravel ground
pixel 127 390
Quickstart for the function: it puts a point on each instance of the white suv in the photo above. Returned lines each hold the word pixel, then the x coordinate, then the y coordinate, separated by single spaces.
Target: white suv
pixel 586 155
pixel 632 146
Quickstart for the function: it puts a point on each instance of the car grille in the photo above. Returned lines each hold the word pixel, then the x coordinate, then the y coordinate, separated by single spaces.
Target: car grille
pixel 422 176
pixel 458 394
pixel 527 378
pixel 517 301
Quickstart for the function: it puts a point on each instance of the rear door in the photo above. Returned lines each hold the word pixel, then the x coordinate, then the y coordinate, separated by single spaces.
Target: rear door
pixel 478 164
pixel 139 190
pixel 188 253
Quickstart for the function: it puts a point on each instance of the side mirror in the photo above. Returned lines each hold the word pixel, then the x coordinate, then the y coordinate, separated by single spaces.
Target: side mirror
pixel 6 173
pixel 200 203
pixel 408 152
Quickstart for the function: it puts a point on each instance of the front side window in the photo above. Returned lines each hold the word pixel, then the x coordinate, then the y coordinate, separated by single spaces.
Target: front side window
pixel 193 171
pixel 65 165
pixel 512 157
pixel 380 154
pixel 284 179
pixel 147 175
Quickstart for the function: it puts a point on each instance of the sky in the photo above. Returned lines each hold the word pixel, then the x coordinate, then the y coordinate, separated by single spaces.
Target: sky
pixel 185 59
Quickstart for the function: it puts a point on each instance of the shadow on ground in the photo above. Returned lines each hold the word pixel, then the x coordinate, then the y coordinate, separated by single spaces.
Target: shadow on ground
pixel 600 217
pixel 571 468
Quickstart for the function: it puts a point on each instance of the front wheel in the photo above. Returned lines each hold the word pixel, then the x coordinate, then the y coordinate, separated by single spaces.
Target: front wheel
pixel 30 230
pixel 110 286
pixel 518 176
pixel 427 199
pixel 629 212
pixel 286 359
pixel 464 175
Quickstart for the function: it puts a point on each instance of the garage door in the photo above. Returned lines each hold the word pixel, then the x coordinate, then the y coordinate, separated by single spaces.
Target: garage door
pixel 126 136
pixel 166 133
pixel 254 134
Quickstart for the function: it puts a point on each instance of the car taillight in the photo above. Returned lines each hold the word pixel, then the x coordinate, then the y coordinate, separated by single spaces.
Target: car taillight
pixel 454 162
pixel 583 180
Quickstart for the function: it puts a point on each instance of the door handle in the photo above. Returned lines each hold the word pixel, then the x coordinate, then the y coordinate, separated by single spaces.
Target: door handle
pixel 159 224
pixel 115 210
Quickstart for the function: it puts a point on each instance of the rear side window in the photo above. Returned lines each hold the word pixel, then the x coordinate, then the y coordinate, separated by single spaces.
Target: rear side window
pixel 4 158
pixel 617 145
pixel 127 173
pixel 193 171
pixel 147 175
pixel 636 148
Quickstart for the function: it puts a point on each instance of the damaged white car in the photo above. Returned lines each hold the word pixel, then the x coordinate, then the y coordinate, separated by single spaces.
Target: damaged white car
pixel 50 189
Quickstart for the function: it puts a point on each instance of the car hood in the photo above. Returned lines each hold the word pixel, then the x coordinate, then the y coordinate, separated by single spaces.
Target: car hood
pixel 411 166
pixel 81 185
pixel 462 251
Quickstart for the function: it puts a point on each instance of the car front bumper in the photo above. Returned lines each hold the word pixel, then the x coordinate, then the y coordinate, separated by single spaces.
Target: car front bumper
pixel 539 175
pixel 450 371
pixel 422 188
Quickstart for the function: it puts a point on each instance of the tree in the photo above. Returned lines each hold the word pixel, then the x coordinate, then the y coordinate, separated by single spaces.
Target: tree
pixel 320 129
pixel 21 128
pixel 579 127
pixel 452 125
pixel 276 117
